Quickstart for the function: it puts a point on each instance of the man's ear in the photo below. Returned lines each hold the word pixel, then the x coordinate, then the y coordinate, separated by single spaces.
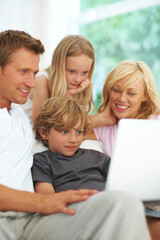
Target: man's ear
pixel 43 135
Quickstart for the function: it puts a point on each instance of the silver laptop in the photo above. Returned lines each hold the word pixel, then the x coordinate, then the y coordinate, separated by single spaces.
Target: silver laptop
pixel 135 163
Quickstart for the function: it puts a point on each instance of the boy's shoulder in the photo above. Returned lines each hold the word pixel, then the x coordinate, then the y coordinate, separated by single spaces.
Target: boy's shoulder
pixel 43 153
pixel 93 152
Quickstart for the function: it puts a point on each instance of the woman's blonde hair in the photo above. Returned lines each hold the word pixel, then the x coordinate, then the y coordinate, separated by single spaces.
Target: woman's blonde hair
pixel 133 71
pixel 60 113
pixel 71 45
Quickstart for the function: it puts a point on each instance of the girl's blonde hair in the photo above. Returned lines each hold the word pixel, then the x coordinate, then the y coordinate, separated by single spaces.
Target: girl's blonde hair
pixel 53 113
pixel 133 71
pixel 71 45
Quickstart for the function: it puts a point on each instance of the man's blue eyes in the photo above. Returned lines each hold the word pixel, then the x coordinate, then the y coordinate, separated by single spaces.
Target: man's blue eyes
pixel 35 73
pixel 25 71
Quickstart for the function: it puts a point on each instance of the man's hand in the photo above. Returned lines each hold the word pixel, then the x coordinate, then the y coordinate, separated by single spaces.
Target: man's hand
pixel 57 203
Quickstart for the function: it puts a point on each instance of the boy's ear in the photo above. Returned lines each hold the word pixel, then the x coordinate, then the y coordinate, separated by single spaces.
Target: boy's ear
pixel 43 135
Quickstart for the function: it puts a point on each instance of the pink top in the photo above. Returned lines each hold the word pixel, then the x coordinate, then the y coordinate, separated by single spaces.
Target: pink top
pixel 107 135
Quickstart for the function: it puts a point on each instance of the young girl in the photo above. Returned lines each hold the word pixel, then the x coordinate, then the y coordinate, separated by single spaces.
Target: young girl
pixel 70 75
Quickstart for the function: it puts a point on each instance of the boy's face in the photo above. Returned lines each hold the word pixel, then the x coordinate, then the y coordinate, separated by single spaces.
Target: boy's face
pixel 65 142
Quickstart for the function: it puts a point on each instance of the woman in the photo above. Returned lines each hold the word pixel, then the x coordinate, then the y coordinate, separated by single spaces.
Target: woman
pixel 129 92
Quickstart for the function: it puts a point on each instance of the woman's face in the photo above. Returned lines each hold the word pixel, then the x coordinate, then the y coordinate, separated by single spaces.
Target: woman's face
pixel 77 70
pixel 126 103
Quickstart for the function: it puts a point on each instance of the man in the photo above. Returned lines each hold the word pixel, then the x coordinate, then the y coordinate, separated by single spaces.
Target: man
pixel 28 215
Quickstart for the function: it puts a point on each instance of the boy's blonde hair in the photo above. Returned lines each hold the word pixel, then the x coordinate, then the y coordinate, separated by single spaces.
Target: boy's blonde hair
pixel 133 71
pixel 52 115
pixel 71 45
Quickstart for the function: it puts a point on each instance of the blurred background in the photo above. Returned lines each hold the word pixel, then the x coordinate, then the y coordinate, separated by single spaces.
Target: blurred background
pixel 118 30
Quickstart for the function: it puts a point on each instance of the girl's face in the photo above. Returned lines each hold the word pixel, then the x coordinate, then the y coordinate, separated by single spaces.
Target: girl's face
pixel 126 103
pixel 77 70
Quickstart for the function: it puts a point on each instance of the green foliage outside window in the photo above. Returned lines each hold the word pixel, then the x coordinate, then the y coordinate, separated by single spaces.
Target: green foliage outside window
pixel 133 36
pixel 87 4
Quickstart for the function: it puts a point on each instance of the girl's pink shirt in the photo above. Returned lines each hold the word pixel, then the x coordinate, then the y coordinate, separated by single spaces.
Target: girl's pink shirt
pixel 107 135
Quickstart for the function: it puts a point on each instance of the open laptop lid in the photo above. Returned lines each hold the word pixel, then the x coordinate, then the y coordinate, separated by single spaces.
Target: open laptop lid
pixel 135 164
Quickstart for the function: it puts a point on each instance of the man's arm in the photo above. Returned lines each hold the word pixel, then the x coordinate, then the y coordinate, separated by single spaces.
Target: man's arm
pixel 23 201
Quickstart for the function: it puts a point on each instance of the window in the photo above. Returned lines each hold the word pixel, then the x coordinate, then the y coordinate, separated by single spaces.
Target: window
pixel 130 30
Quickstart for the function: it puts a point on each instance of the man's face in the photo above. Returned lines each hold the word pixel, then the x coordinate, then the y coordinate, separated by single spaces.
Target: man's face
pixel 18 77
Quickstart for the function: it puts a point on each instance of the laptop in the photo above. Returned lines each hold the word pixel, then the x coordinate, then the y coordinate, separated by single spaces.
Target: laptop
pixel 135 163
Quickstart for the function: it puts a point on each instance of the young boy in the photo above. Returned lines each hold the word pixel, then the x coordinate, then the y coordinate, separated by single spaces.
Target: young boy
pixel 61 125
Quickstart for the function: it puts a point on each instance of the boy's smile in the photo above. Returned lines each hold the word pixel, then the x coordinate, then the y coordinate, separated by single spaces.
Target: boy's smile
pixel 66 141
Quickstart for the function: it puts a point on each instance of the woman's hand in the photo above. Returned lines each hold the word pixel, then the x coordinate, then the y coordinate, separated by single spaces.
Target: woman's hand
pixel 107 116
pixel 104 118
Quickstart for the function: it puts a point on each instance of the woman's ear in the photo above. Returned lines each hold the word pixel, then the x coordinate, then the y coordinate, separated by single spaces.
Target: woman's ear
pixel 145 97
pixel 43 135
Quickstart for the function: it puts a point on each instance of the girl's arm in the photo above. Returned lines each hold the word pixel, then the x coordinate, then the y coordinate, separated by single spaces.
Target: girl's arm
pixel 81 88
pixel 40 94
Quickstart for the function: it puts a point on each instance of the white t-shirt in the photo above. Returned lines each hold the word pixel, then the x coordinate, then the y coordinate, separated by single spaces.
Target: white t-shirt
pixel 16 141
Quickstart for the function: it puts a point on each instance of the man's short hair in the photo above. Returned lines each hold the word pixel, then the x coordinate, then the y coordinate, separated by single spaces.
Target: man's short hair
pixel 12 40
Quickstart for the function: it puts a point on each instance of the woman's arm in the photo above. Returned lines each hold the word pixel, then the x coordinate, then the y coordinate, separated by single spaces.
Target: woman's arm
pixel 40 94
pixel 104 118
pixel 90 135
